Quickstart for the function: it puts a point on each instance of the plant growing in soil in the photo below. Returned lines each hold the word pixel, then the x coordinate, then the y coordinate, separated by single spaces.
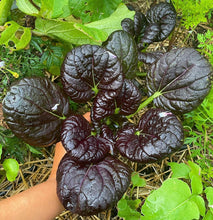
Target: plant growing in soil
pixel 90 177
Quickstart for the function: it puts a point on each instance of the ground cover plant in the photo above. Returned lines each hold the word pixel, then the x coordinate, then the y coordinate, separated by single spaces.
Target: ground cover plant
pixel 177 82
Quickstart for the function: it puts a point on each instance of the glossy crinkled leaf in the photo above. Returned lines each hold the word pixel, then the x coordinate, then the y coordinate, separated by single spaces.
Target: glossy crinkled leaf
pixel 88 67
pixel 158 134
pixel 149 57
pixel 129 98
pixel 33 109
pixel 124 47
pixel 164 15
pixel 92 188
pixel 125 103
pixel 80 144
pixel 171 201
pixel 183 78
pixel 15 37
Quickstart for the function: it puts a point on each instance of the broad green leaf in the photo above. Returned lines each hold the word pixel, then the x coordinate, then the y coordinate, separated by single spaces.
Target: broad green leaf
pixel 5 6
pixel 126 212
pixel 208 216
pixel 137 180
pixel 15 34
pixel 196 178
pixel 27 7
pixel 70 32
pixel 179 170
pixel 11 167
pixel 54 8
pixel 93 10
pixel 170 202
pixel 200 203
pixel 1 150
pixel 209 196
pixel 113 22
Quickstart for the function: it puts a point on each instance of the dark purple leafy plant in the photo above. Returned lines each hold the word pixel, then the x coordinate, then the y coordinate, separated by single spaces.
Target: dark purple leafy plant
pixel 89 179
pixel 91 188
pixel 182 78
pixel 83 145
pixel 88 69
pixel 158 134
pixel 34 108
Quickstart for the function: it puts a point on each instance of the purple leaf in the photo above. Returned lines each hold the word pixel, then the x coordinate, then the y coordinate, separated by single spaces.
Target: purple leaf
pixel 88 69
pixel 129 98
pixel 79 142
pixel 124 47
pixel 32 109
pixel 158 134
pixel 91 188
pixel 183 78
pixel 163 15
pixel 149 57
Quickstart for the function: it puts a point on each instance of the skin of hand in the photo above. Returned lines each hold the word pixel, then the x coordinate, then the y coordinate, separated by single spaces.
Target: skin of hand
pixel 39 202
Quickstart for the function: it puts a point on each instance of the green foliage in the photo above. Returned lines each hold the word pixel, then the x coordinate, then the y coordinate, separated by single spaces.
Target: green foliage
pixel 206 47
pixel 127 207
pixel 11 145
pixel 176 199
pixel 193 12
pixel 93 10
pixel 11 167
pixel 5 6
pixel 198 124
pixel 15 37
pixel 19 64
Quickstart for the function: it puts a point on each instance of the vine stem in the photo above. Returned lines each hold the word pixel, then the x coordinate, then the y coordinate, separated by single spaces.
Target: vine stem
pixel 145 103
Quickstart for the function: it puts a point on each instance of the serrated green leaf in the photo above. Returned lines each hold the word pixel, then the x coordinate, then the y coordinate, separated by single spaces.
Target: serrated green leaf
pixel 124 211
pixel 200 204
pixel 93 10
pixel 16 34
pixel 5 6
pixel 11 167
pixel 137 180
pixel 171 202
pixel 113 22
pixel 27 7
pixel 209 196
pixel 196 178
pixel 179 170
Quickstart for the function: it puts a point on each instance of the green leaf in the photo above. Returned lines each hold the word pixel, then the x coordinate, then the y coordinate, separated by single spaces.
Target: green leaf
pixel 209 196
pixel 15 34
pixel 170 202
pixel 93 10
pixel 196 178
pixel 27 7
pixel 137 180
pixel 126 212
pixel 179 170
pixel 54 8
pixel 200 203
pixel 34 150
pixel 5 6
pixel 112 22
pixel 208 216
pixel 11 167
pixel 69 32
pixel 1 150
